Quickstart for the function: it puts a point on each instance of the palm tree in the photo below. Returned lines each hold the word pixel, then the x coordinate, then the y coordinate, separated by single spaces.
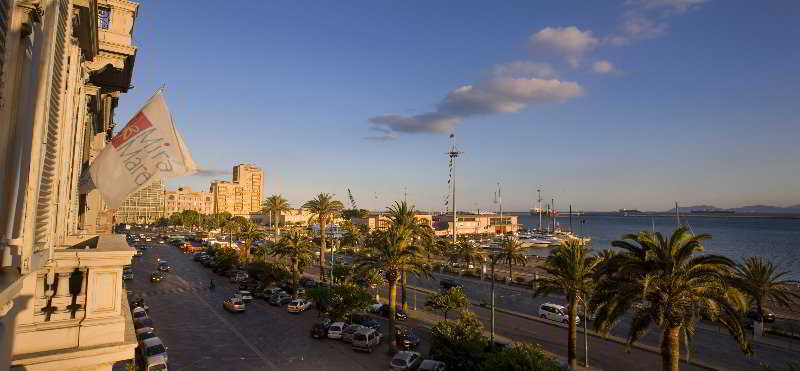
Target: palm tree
pixel 512 252
pixel 670 286
pixel 760 280
pixel 324 209
pixel 570 272
pixel 232 227
pixel 402 218
pixel 249 233
pixel 274 205
pixel 296 247
pixel 391 253
pixel 471 254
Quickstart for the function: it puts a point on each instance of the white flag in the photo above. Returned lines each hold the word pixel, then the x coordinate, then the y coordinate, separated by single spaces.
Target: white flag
pixel 147 149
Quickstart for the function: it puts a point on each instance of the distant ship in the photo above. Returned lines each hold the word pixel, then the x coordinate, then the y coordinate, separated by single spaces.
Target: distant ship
pixel 712 211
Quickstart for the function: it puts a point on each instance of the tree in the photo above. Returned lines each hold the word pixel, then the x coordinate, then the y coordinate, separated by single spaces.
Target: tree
pixel 324 209
pixel 355 213
pixel 447 300
pixel 388 254
pixel 460 344
pixel 175 220
pixel 470 254
pixel 295 247
pixel 341 273
pixel 162 222
pixel 249 233
pixel 274 205
pixel 670 286
pixel 341 300
pixel 353 234
pixel 512 252
pixel 410 229
pixel 521 357
pixel 570 272
pixel 761 280
pixel 268 272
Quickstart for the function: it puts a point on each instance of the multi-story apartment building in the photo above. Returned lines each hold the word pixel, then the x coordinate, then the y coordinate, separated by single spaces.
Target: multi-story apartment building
pixel 289 217
pixel 185 199
pixel 143 206
pixel 242 196
pixel 63 66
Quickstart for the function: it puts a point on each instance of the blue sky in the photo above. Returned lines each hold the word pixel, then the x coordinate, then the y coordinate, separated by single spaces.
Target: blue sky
pixel 602 105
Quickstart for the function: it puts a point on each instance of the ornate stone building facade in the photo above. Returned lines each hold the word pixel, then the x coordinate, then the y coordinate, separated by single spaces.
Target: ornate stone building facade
pixel 63 66
pixel 185 199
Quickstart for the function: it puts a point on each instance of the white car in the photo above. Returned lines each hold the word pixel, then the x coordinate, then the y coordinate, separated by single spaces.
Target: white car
pixel 555 312
pixel 298 305
pixel 335 331
pixel 406 360
pixel 234 304
pixel 153 352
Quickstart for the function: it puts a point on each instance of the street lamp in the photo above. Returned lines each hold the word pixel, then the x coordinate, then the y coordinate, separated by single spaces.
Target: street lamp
pixel 585 332
pixel 494 258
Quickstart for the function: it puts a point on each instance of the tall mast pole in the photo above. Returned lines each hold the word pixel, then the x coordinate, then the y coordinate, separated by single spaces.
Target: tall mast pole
pixel 453 154
pixel 500 199
pixel 553 212
pixel 539 191
pixel 677 214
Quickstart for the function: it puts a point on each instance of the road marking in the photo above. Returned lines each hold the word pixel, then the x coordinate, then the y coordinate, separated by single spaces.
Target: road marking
pixel 233 329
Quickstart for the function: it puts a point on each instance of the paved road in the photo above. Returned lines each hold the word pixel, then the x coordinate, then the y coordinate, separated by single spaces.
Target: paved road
pixel 201 335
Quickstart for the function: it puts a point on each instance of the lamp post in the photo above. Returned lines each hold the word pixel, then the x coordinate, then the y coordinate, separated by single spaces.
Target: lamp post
pixel 585 332
pixel 494 260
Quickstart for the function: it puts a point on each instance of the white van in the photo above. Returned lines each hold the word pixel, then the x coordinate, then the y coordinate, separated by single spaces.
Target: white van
pixel 366 339
pixel 555 312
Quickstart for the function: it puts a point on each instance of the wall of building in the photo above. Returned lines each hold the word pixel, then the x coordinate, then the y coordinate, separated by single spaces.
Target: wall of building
pixel 143 206
pixel 184 199
pixel 242 195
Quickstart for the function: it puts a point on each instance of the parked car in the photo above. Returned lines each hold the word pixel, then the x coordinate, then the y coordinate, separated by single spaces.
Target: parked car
pixel 555 312
pixel 405 360
pixel 145 335
pixel 446 284
pixel 153 352
pixel 366 339
pixel 320 329
pixel 143 326
pixel 307 282
pixel 268 292
pixel 755 315
pixel 405 337
pixel 139 314
pixel 198 256
pixel 245 295
pixel 431 365
pixel 399 314
pixel 139 303
pixel 335 330
pixel 139 252
pixel 239 276
pixel 298 305
pixel 350 331
pixel 234 304
pixel 164 267
pixel 364 319
pixel 280 299
pixel 156 277
pixel 127 275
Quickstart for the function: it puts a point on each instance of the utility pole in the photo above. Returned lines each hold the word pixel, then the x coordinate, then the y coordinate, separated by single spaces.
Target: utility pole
pixel 539 192
pixel 494 259
pixel 500 200
pixel 585 333
pixel 553 212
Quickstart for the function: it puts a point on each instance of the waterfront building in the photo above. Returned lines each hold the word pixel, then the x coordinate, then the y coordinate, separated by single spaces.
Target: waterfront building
pixel 144 206
pixel 381 222
pixel 63 67
pixel 184 199
pixel 298 217
pixel 476 224
pixel 242 195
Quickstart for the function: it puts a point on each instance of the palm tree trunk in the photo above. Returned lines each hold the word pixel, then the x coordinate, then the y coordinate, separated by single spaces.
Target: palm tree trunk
pixel 571 338
pixel 294 274
pixel 392 314
pixel 670 350
pixel 405 294
pixel 510 273
pixel 322 250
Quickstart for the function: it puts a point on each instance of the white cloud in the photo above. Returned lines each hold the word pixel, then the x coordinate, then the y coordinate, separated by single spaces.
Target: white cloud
pixel 524 69
pixel 506 95
pixel 425 123
pixel 566 40
pixel 603 66
pixel 500 95
pixel 647 19
pixel 677 6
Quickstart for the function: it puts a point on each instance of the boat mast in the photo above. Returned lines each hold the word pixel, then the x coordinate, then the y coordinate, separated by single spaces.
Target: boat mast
pixel 570 218
pixel 539 191
pixel 500 200
pixel 677 215
pixel 553 212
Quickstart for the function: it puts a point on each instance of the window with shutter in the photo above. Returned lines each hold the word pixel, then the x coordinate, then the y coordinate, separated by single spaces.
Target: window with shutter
pixel 48 178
